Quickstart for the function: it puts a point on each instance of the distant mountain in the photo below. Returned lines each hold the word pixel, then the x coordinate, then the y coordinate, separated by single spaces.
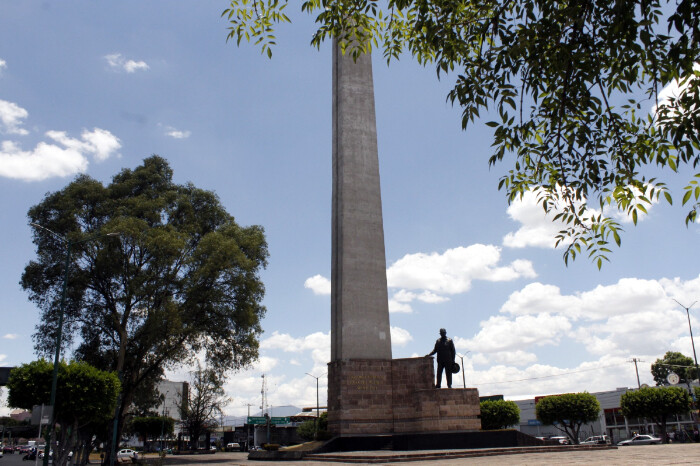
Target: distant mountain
pixel 280 411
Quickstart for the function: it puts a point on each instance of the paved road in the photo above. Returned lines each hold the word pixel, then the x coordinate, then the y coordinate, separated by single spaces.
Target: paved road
pixel 639 455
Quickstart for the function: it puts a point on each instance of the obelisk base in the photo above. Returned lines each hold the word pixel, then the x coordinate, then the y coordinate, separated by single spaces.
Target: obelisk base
pixel 382 396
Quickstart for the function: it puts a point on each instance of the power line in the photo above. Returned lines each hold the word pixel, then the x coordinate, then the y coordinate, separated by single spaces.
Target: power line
pixel 550 376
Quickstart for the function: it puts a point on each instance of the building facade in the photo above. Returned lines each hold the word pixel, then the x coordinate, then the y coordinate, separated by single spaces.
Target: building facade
pixel 611 422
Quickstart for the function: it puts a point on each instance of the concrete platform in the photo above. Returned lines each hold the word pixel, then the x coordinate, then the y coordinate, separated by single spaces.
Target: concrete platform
pixel 376 457
pixel 683 454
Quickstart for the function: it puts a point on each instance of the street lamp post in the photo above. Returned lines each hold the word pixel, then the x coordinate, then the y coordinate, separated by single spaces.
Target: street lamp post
pixel 695 357
pixel 461 358
pixel 59 330
pixel 692 342
pixel 318 417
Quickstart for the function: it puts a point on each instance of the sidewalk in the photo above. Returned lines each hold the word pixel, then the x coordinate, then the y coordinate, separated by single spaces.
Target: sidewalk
pixel 688 453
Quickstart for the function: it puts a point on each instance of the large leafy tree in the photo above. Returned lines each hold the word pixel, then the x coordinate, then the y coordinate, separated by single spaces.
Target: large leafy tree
pixel 568 412
pixel 181 279
pixel 676 362
pixel 499 414
pixel 85 399
pixel 569 83
pixel 655 403
pixel 204 400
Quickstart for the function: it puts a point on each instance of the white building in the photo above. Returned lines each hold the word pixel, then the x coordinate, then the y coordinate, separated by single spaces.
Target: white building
pixel 174 395
pixel 610 422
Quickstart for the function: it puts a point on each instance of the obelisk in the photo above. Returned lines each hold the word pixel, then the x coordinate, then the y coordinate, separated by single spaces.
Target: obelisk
pixel 372 397
pixel 360 371
pixel 359 301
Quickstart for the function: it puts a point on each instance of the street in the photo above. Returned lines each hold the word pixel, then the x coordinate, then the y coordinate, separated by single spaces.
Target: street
pixel 688 453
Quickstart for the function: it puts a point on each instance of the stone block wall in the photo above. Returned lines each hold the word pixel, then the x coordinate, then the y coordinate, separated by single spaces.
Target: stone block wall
pixel 370 396
pixel 359 397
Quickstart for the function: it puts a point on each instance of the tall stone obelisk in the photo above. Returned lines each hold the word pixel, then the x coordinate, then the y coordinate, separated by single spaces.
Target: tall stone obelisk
pixel 359 374
pixel 369 394
pixel 359 301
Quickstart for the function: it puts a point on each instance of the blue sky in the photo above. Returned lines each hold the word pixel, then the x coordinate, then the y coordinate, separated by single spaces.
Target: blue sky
pixel 95 87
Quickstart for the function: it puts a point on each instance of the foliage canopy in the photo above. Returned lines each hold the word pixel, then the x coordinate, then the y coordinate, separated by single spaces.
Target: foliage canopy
pixel 499 414
pixel 307 429
pixel 181 279
pixel 676 362
pixel 568 412
pixel 85 399
pixel 574 86
pixel 655 403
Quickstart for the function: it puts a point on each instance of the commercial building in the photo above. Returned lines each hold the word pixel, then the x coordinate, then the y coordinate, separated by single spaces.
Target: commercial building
pixel 610 422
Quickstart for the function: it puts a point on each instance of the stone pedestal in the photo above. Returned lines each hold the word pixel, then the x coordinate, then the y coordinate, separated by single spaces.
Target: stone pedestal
pixel 374 396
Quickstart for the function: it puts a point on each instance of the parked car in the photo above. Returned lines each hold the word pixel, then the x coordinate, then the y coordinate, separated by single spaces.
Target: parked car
pixel 641 440
pixel 8 449
pixel 596 440
pixel 233 447
pixel 561 439
pixel 127 454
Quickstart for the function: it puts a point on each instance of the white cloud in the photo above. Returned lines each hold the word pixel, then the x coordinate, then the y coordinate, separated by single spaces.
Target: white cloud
pixel 436 275
pixel 539 230
pixel 318 343
pixel 319 284
pixel 49 160
pixel 448 273
pixel 117 61
pixel 539 379
pixel 516 358
pixel 11 116
pixel 500 333
pixel 632 317
pixel 400 337
pixel 399 307
pixel 10 336
pixel 673 91
pixel 98 142
pixel 453 271
pixel 175 133
pixel 627 296
pixel 3 64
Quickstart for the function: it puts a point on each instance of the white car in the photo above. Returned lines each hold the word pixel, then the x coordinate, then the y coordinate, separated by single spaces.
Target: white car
pixel 596 440
pixel 127 454
pixel 641 440
pixel 561 439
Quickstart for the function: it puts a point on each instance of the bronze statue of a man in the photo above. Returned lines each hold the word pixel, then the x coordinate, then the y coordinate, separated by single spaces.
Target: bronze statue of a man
pixel 445 349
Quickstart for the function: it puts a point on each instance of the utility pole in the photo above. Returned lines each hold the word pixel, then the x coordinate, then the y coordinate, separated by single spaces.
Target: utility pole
pixel 636 369
pixel 247 440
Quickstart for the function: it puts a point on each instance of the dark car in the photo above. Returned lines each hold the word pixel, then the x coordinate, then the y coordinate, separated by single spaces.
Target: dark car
pixel 8 449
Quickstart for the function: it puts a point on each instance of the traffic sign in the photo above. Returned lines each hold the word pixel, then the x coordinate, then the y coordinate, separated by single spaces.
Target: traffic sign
pixel 279 420
pixel 258 420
